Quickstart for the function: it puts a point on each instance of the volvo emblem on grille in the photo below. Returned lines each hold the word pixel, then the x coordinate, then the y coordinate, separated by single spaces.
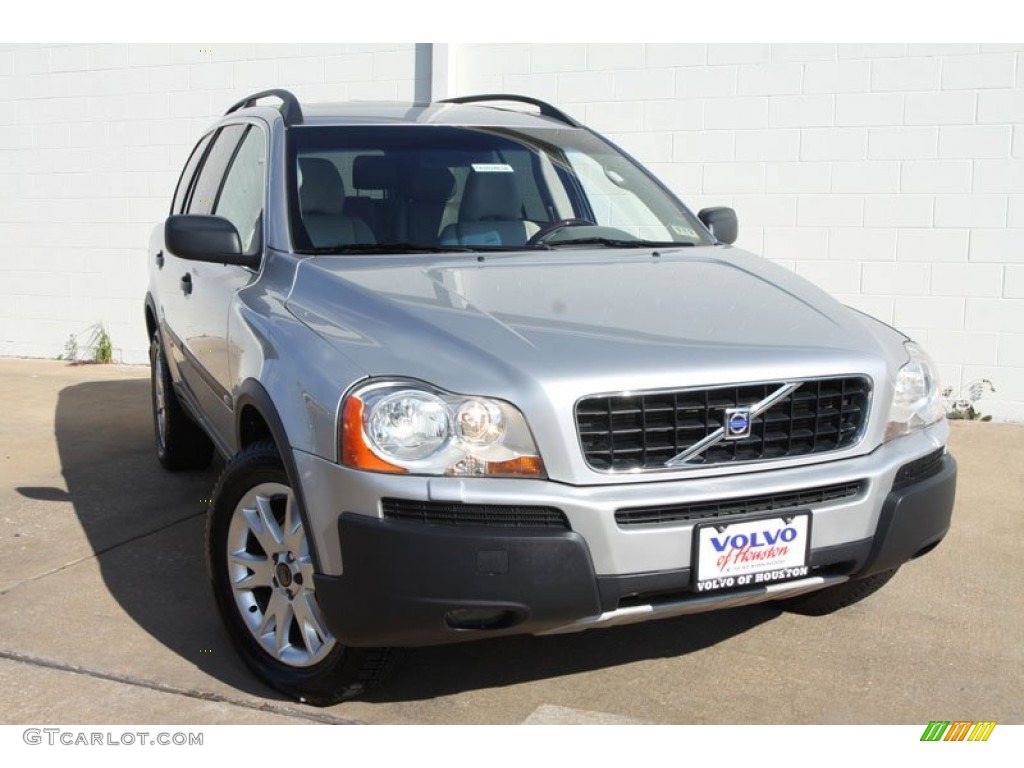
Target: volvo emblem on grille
pixel 737 423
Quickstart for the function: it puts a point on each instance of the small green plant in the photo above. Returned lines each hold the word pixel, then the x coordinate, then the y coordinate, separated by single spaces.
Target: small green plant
pixel 103 349
pixel 963 407
pixel 70 349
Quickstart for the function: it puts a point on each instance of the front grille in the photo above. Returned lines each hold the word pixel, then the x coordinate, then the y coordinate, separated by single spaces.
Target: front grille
pixel 709 510
pixel 474 515
pixel 919 469
pixel 642 431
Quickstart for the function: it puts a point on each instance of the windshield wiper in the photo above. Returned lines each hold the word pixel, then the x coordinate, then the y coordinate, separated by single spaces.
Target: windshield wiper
pixel 613 243
pixel 397 248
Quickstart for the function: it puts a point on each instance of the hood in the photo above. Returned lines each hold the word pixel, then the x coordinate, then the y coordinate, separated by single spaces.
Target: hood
pixel 587 320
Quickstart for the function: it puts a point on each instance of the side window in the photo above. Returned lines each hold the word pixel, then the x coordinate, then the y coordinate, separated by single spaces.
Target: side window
pixel 188 175
pixel 241 198
pixel 204 191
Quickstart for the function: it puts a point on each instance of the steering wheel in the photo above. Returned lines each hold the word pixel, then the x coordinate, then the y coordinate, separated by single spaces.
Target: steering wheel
pixel 554 226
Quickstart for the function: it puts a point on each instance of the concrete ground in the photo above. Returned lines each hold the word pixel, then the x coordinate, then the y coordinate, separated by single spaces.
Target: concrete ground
pixel 106 616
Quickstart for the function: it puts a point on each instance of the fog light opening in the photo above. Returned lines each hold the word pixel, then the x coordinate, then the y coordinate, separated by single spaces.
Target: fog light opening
pixel 481 618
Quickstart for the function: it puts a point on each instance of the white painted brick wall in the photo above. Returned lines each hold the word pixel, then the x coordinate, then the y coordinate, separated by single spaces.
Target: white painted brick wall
pixel 803 52
pixel 830 77
pixel 970 210
pixel 866 176
pixel 890 174
pixel 995 70
pixel 914 73
pixel 903 143
pixel 92 139
pixel 1013 284
pixel 932 245
pixel 739 53
pixel 896 278
pixel 704 146
pixel 769 79
pixel 1000 246
pixel 933 312
pixel 869 109
pixel 830 211
pixel 899 210
pixel 801 111
pixel 924 176
pixel 963 348
pixel 967 280
pixel 1015 211
pixel 784 178
pixel 860 244
pixel 741 112
pixel 715 82
pixel 940 107
pixel 771 144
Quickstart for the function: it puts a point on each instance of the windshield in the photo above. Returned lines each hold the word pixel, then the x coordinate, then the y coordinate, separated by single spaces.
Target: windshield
pixel 444 188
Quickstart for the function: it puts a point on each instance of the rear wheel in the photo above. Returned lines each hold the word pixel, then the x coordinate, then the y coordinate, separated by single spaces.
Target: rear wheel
pixel 831 599
pixel 262 573
pixel 180 443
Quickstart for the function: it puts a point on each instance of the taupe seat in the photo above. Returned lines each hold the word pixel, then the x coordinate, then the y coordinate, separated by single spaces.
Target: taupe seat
pixel 322 202
pixel 373 173
pixel 425 198
pixel 491 213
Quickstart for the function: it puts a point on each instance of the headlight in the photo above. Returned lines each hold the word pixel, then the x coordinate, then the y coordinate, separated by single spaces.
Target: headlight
pixel 407 425
pixel 916 402
pixel 411 428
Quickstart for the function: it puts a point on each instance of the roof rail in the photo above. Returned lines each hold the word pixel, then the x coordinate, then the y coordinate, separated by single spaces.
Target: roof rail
pixel 290 109
pixel 545 109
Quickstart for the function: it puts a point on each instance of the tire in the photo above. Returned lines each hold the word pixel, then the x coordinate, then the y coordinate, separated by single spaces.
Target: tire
pixel 180 442
pixel 262 572
pixel 831 599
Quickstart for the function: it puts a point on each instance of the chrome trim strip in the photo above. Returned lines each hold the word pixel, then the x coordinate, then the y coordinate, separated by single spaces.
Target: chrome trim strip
pixel 719 434
pixel 638 613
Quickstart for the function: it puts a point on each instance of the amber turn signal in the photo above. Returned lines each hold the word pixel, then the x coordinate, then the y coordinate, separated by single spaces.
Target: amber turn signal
pixel 355 452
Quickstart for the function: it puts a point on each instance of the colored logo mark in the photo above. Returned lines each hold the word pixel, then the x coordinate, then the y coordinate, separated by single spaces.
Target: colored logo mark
pixel 958 730
pixel 737 423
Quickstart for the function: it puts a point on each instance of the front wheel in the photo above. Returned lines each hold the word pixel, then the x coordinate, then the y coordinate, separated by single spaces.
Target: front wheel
pixel 831 599
pixel 262 572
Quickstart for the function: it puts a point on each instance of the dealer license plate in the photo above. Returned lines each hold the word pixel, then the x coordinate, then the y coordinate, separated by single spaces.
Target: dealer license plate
pixel 751 552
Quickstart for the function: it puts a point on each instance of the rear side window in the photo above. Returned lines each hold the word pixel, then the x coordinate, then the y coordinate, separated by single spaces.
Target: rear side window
pixel 204 191
pixel 241 197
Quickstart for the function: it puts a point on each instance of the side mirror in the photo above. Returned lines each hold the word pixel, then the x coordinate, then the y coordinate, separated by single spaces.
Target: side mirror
pixel 206 238
pixel 722 223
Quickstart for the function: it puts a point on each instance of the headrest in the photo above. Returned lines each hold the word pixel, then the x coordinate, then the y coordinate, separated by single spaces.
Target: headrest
pixel 431 184
pixel 372 172
pixel 490 195
pixel 322 190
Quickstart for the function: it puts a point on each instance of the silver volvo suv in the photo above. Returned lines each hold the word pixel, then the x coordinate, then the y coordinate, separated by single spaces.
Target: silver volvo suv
pixel 476 372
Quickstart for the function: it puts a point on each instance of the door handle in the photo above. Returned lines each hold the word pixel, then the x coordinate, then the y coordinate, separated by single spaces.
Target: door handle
pixel 160 259
pixel 186 284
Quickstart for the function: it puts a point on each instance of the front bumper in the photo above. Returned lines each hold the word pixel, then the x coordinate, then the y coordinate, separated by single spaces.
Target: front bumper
pixel 409 584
